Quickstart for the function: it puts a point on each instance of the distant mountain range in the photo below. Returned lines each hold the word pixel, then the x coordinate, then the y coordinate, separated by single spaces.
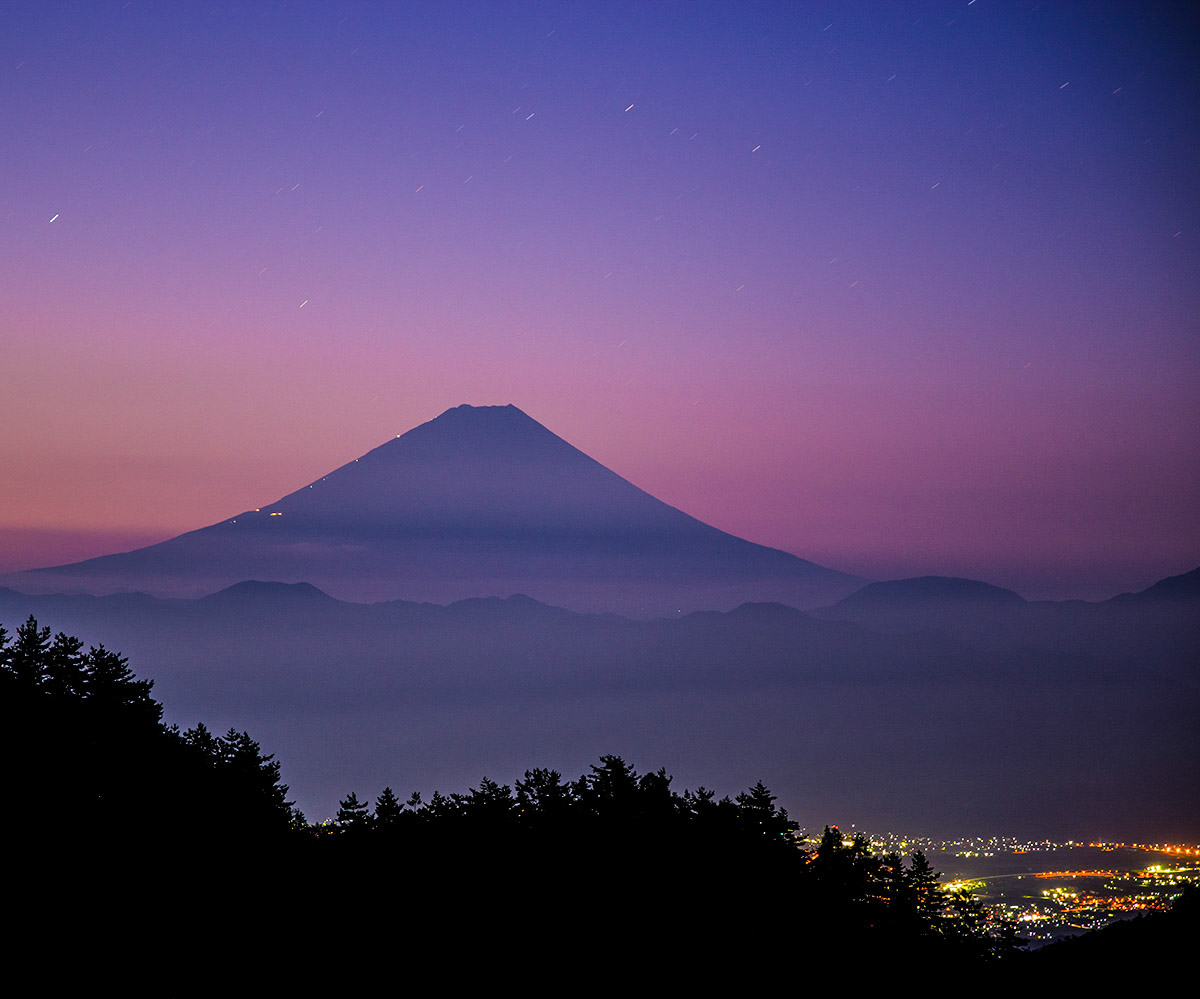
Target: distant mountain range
pixel 1157 629
pixel 930 704
pixel 481 501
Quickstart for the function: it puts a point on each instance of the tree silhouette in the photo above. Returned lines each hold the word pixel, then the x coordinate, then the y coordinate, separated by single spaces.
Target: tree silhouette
pixel 353 815
pixel 388 810
pixel 28 659
pixel 542 797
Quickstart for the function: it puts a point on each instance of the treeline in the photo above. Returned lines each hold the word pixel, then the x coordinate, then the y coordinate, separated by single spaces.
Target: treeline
pixel 86 748
pixel 184 844
pixel 747 856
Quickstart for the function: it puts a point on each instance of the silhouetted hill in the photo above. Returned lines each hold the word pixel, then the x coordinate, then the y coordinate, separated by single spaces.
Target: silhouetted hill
pixel 1096 959
pixel 1184 587
pixel 965 608
pixel 254 591
pixel 931 590
pixel 1155 630
pixel 482 501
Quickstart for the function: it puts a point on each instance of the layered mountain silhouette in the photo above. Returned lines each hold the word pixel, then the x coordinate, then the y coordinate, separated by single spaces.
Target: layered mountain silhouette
pixel 480 501
pixel 1156 629
pixel 950 708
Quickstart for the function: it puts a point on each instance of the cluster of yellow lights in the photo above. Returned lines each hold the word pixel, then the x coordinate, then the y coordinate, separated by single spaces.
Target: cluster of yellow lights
pixel 1075 874
pixel 1183 851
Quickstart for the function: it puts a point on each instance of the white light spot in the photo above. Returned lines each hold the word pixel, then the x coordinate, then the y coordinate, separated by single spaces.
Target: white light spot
pixel 56 214
pixel 630 108
pixel 304 303
pixel 756 148
pixel 530 115
pixel 1065 85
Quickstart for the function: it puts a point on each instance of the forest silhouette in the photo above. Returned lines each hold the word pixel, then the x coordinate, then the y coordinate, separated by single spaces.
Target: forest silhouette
pixel 174 860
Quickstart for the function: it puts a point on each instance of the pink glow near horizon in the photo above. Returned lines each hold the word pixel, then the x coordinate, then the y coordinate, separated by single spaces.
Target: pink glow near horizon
pixel 911 331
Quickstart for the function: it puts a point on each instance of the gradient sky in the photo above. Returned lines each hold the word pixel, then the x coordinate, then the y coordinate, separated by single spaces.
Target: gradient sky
pixel 902 288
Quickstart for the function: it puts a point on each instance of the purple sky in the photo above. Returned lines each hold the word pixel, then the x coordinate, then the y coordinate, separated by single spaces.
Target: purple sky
pixel 902 288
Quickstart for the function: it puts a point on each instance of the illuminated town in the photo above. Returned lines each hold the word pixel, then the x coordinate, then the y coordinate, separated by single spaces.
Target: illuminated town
pixel 1056 889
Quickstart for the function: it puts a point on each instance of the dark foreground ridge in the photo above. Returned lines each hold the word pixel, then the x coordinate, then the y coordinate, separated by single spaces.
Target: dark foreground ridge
pixel 482 501
pixel 208 878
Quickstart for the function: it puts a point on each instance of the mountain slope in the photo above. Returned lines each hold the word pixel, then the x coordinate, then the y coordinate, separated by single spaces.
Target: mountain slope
pixel 480 501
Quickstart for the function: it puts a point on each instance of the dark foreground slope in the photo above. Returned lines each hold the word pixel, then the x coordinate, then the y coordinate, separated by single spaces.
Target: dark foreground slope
pixel 480 501
pixel 1163 941
pixel 168 863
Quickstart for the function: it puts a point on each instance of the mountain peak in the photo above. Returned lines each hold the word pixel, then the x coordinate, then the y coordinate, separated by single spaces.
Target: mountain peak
pixel 480 501
pixel 467 407
pixel 474 433
pixel 495 415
